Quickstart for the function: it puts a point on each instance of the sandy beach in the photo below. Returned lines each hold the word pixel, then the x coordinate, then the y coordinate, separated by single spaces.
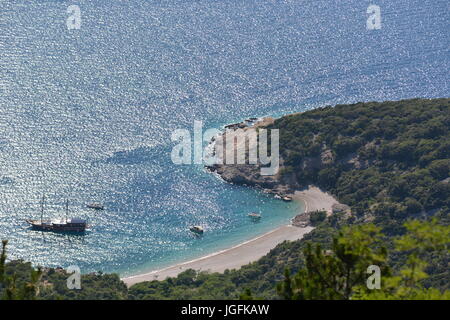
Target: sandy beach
pixel 315 199
pixel 249 251
pixel 232 258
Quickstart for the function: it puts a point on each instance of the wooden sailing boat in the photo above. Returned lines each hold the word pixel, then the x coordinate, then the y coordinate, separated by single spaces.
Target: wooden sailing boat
pixel 67 225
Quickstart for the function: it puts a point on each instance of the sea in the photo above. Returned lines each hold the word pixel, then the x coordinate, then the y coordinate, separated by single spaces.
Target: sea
pixel 91 92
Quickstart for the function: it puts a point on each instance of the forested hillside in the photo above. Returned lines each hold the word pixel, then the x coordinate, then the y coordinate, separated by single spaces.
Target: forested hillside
pixel 390 162
pixel 386 160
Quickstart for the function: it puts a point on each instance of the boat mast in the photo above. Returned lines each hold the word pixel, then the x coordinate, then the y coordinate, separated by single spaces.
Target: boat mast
pixel 42 208
pixel 67 209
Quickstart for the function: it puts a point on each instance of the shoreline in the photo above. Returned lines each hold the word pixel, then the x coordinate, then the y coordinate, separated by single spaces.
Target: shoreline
pixel 220 261
pixel 248 251
pixel 315 199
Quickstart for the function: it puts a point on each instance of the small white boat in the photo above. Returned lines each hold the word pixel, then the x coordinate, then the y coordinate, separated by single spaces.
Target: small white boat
pixel 96 206
pixel 196 229
pixel 254 215
pixel 287 199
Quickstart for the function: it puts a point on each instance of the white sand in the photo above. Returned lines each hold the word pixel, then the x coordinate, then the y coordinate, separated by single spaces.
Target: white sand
pixel 315 199
pixel 232 258
pixel 248 251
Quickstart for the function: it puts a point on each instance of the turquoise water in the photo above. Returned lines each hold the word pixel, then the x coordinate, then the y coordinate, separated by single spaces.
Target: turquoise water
pixel 87 114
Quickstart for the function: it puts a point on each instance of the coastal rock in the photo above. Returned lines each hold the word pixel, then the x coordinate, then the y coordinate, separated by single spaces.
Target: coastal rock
pixel 302 220
pixel 245 174
pixel 249 174
pixel 286 181
pixel 341 208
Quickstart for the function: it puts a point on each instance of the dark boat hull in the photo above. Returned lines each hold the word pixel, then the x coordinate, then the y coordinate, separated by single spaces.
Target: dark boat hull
pixel 71 228
pixel 95 207
pixel 196 231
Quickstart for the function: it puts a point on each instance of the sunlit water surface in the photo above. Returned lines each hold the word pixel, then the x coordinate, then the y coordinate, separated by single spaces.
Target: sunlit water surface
pixel 87 114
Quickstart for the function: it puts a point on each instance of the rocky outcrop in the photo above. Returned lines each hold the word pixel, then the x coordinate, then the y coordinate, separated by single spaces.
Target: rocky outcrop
pixel 340 208
pixel 302 220
pixel 285 182
pixel 244 174
pixel 249 174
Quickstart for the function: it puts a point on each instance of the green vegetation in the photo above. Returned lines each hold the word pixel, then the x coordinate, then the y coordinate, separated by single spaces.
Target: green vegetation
pixel 317 217
pixel 17 280
pixel 336 270
pixel 390 162
pixel 94 286
pixel 20 281
pixel 342 272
